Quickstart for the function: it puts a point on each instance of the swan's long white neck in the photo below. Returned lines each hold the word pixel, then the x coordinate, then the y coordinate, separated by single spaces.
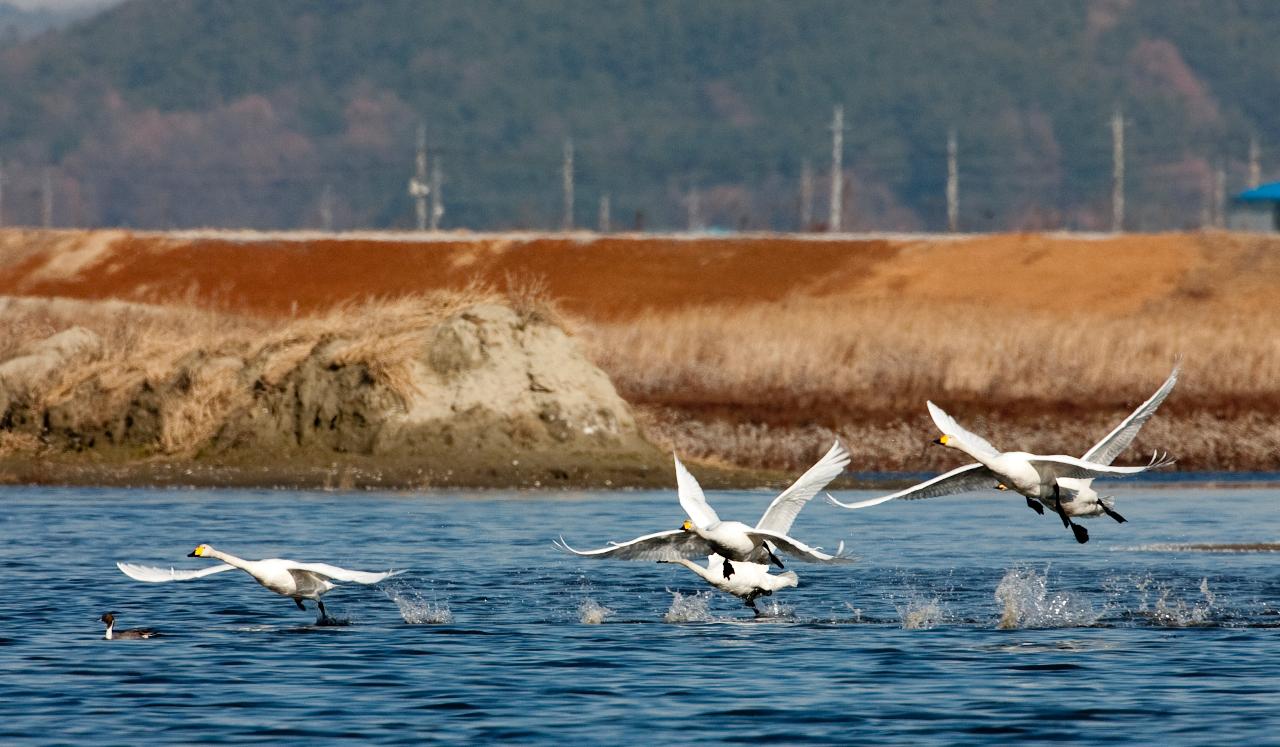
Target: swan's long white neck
pixel 226 557
pixel 703 572
pixel 960 445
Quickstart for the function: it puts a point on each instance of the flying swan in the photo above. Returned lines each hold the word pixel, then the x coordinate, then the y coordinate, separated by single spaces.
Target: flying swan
pixel 288 578
pixel 1041 479
pixel 704 534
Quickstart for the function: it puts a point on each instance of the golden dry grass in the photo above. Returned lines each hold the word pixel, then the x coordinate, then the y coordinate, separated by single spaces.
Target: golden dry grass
pixel 770 385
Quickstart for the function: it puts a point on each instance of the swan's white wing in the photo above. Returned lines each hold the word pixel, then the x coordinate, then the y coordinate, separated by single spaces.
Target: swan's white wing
pixel 782 513
pixel 1106 450
pixel 1059 466
pixel 798 549
pixel 669 545
pixel 692 500
pixel 959 480
pixel 342 574
pixel 153 575
pixel 977 445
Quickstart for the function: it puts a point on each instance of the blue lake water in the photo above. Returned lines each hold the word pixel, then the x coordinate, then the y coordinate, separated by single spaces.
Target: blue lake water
pixel 965 620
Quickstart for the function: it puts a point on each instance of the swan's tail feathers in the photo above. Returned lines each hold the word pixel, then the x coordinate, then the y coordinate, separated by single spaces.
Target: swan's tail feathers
pixel 791 578
pixel 1107 500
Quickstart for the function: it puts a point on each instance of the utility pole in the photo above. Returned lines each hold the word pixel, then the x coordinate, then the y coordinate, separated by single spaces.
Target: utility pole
pixel 953 183
pixel 437 194
pixel 567 222
pixel 418 187
pixel 1255 162
pixel 837 168
pixel 806 195
pixel 603 224
pixel 1117 171
pixel 1220 196
pixel 46 193
pixel 326 208
pixel 695 209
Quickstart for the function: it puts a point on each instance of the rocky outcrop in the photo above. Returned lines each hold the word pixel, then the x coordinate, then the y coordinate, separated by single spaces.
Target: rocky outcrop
pixel 474 398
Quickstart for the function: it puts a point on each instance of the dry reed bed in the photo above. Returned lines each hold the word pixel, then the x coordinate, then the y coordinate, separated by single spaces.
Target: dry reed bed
pixel 770 385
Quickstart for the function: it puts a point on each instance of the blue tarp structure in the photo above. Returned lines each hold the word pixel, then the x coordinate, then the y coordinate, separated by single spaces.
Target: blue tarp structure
pixel 1264 193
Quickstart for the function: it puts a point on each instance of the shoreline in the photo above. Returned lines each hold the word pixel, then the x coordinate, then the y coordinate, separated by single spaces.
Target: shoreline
pixel 369 475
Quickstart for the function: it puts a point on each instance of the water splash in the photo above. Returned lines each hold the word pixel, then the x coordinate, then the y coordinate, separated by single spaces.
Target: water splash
pixel 591 612
pixel 691 608
pixel 1027 603
pixel 921 614
pixel 417 609
pixel 774 609
pixel 1177 613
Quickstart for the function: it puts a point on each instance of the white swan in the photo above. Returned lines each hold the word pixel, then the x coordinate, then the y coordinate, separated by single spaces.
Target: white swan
pixel 288 578
pixel 704 534
pixel 1035 476
pixel 748 582
pixel 1078 496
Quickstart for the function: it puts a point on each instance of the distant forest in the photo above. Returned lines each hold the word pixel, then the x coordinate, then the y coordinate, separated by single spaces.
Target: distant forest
pixel 183 113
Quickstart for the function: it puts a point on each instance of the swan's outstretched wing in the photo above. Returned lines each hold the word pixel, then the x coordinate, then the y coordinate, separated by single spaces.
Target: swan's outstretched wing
pixel 152 574
pixel 669 545
pixel 977 444
pixel 782 513
pixel 1106 450
pixel 797 549
pixel 692 500
pixel 1059 466
pixel 342 574
pixel 959 480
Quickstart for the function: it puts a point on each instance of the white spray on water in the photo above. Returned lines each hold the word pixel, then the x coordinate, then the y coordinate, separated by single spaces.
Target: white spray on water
pixel 591 612
pixel 417 609
pixel 691 608
pixel 1027 603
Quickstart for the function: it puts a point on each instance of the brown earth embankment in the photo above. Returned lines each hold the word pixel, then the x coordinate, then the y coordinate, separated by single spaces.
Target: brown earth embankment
pixel 755 350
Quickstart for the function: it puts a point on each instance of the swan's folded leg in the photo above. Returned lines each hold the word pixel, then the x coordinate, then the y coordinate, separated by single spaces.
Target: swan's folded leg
pixel 1112 513
pixel 773 557
pixel 1034 505
pixel 323 615
pixel 298 602
pixel 1062 512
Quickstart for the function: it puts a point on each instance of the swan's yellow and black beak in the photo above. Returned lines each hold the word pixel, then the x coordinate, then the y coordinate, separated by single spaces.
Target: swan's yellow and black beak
pixel 1001 486
pixel 196 552
pixel 687 526
pixel 942 440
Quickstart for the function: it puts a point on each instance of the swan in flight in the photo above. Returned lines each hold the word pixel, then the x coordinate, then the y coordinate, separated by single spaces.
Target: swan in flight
pixel 748 582
pixel 131 634
pixel 1078 498
pixel 1036 477
pixel 288 578
pixel 704 534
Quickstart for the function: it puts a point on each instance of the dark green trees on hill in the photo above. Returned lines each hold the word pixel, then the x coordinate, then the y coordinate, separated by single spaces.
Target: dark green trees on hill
pixel 174 113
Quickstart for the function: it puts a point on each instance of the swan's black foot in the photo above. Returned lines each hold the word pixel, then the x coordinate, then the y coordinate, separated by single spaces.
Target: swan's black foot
pixel 323 614
pixel 299 603
pixel 728 569
pixel 1113 514
pixel 1082 534
pixel 1035 505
